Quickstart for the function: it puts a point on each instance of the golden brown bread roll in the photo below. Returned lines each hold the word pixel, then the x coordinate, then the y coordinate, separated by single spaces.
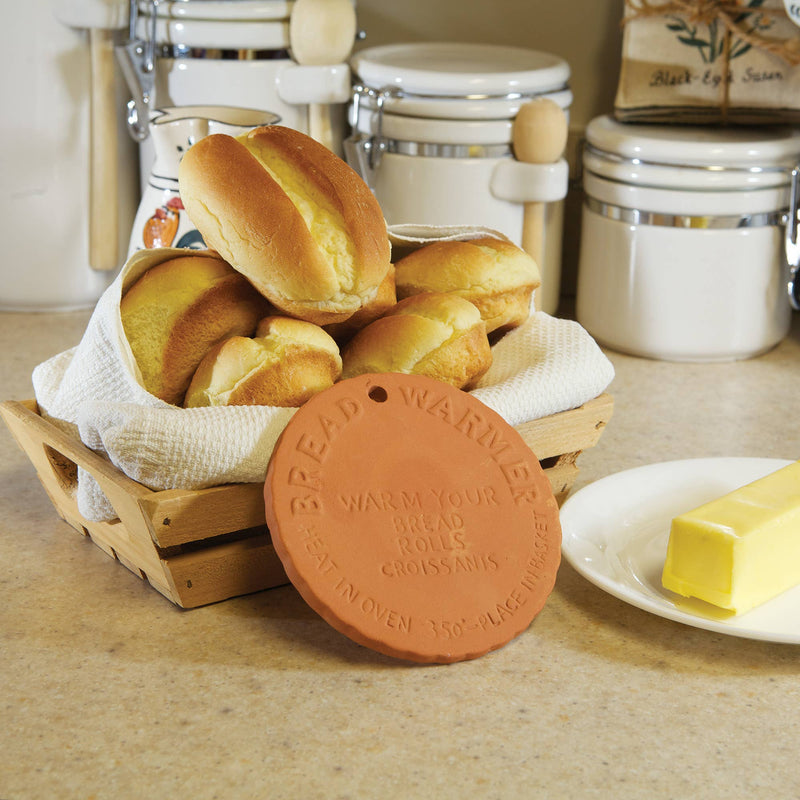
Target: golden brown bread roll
pixel 494 274
pixel 384 301
pixel 291 216
pixel 438 335
pixel 287 362
pixel 174 313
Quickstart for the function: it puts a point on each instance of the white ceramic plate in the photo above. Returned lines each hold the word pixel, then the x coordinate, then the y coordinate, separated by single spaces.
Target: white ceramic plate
pixel 615 533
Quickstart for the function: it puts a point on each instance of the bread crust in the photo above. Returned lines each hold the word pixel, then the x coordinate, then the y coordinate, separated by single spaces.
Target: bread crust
pixel 286 363
pixel 494 274
pixel 291 216
pixel 383 302
pixel 438 335
pixel 179 309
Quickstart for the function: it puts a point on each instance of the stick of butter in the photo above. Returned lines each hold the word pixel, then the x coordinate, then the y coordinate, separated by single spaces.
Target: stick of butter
pixel 742 549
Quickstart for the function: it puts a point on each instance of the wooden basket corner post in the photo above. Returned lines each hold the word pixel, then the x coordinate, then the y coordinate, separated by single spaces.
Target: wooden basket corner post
pixel 558 440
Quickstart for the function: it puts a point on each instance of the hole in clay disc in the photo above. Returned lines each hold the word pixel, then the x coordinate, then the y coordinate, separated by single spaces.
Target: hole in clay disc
pixel 378 394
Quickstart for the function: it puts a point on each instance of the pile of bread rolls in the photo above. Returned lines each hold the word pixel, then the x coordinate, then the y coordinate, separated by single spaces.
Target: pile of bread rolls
pixel 297 289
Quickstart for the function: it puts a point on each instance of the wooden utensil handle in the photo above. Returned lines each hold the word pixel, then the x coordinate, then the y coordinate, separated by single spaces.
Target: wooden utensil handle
pixel 103 166
pixel 533 231
pixel 319 124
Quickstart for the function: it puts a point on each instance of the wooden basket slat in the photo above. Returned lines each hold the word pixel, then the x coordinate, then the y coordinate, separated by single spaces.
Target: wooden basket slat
pixel 241 567
pixel 212 573
pixel 568 431
pixel 178 516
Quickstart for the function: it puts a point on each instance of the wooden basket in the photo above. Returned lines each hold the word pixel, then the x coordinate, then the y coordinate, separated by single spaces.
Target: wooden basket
pixel 201 546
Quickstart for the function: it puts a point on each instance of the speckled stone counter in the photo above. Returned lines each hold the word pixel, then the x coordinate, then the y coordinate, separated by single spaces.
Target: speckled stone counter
pixel 110 691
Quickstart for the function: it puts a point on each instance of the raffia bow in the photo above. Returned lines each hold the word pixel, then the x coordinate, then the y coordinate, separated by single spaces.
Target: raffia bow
pixel 732 15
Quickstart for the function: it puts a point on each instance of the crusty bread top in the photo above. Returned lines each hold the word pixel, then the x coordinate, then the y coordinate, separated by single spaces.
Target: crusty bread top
pixel 479 266
pixel 383 302
pixel 286 362
pixel 291 216
pixel 177 310
pixel 414 329
pixel 283 332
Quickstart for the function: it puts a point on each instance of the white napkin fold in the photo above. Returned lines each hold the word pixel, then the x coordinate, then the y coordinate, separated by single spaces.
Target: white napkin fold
pixel 93 392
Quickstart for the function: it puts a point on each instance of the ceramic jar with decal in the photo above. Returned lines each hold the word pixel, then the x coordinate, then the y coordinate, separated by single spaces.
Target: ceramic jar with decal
pixel 235 53
pixel 161 220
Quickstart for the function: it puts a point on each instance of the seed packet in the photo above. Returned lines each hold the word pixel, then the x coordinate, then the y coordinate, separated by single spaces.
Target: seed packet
pixel 709 62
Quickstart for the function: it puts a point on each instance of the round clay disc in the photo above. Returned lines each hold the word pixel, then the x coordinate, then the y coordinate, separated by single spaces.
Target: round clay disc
pixel 413 518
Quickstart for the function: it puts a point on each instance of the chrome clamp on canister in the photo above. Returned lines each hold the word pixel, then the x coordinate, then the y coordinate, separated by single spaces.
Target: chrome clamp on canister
pixel 792 245
pixel 365 151
pixel 137 61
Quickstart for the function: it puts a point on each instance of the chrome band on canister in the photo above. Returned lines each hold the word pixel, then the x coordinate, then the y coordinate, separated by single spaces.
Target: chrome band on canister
pixel 636 216
pixel 178 51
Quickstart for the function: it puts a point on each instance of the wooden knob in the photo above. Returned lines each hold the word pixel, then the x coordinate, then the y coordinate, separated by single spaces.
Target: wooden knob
pixel 540 132
pixel 322 31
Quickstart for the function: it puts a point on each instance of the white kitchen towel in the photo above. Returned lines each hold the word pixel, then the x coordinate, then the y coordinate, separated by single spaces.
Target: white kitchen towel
pixel 93 392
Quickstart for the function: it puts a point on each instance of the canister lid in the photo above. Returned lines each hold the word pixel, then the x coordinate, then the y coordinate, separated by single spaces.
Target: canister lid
pixel 691 157
pixel 698 146
pixel 454 69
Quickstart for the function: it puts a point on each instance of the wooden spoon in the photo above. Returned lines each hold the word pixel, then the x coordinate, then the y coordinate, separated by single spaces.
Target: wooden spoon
pixel 321 33
pixel 103 166
pixel 539 137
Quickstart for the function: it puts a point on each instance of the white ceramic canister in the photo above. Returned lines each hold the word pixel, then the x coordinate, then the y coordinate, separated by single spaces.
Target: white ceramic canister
pixel 230 53
pixel 683 251
pixel 432 135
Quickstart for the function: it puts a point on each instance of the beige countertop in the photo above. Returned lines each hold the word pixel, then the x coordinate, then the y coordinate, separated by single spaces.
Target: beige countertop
pixel 110 691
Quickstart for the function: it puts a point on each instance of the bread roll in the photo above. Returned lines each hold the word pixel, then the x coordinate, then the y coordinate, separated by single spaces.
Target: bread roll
pixel 291 216
pixel 438 335
pixel 384 301
pixel 494 274
pixel 174 313
pixel 287 362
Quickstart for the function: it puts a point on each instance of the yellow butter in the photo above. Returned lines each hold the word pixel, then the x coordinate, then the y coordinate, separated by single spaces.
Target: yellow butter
pixel 740 550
